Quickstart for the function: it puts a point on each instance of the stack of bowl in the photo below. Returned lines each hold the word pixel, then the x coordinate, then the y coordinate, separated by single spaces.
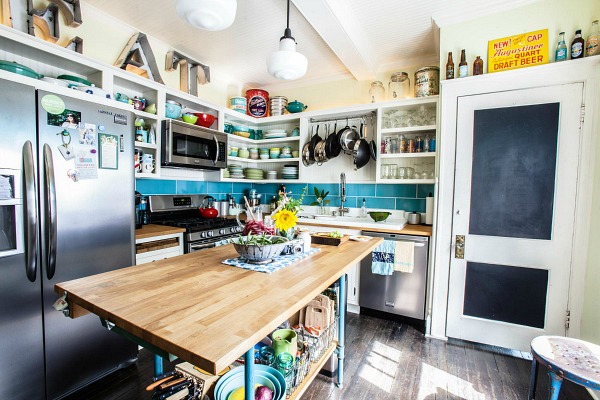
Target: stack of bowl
pixel 254 173
pixel 242 131
pixel 235 171
pixel 233 151
pixel 253 153
pixel 272 175
pixel 286 152
pixel 274 152
pixel 231 385
pixel 263 153
pixel 243 153
pixel 278 105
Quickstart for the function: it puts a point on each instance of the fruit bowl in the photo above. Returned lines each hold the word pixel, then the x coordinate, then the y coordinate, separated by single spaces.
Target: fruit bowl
pixel 251 249
pixel 379 216
pixel 204 119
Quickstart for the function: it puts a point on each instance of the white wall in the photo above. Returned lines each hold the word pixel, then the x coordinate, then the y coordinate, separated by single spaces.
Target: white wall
pixel 557 16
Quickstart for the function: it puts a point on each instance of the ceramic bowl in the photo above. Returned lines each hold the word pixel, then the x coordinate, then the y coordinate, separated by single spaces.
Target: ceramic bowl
pixel 204 119
pixel 259 253
pixel 189 118
pixel 378 216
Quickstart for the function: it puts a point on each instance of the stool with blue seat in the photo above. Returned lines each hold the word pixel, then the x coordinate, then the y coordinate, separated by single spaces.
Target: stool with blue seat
pixel 566 358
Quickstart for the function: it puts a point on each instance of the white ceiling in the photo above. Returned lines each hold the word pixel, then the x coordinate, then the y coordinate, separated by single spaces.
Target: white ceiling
pixel 344 38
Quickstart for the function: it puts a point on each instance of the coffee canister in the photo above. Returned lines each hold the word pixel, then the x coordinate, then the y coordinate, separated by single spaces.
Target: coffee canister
pixel 427 81
pixel 238 104
pixel 258 103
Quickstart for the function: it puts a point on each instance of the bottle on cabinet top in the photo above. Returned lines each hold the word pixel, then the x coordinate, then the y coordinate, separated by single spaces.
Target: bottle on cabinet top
pixel 577 45
pixel 450 67
pixel 561 48
pixel 478 66
pixel 591 43
pixel 463 67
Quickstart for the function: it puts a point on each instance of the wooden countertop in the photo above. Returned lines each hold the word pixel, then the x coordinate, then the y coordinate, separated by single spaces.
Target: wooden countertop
pixel 205 312
pixel 418 230
pixel 148 231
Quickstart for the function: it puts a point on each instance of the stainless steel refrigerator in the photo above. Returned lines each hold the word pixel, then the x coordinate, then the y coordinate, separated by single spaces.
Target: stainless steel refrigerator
pixel 66 211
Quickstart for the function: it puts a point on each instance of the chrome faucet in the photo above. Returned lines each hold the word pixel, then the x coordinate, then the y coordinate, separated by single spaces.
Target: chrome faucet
pixel 343 209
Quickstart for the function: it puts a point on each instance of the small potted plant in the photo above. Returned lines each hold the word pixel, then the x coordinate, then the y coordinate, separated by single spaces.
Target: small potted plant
pixel 321 202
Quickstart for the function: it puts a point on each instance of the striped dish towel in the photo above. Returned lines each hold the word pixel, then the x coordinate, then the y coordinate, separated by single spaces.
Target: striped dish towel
pixel 383 258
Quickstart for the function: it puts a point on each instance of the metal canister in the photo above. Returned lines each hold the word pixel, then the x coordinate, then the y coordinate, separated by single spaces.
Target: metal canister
pixel 238 104
pixel 427 81
pixel 258 103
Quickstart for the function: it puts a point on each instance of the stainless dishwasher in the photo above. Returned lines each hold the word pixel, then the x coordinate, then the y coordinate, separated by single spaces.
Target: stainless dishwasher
pixel 400 293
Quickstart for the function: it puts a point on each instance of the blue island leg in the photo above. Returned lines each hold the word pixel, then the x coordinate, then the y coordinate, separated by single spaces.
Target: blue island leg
pixel 533 379
pixel 158 365
pixel 555 383
pixel 341 327
pixel 249 375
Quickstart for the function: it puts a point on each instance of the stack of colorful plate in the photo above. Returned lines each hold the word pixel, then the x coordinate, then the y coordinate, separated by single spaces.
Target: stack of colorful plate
pixel 275 133
pixel 254 173
pixel 272 175
pixel 233 382
pixel 289 172
pixel 235 171
pixel 226 173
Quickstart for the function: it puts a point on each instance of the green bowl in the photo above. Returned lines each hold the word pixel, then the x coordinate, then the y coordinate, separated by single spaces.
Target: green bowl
pixel 379 216
pixel 189 118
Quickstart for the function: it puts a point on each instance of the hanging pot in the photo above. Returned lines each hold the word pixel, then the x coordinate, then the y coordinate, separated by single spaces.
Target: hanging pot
pixel 306 152
pixel 347 137
pixel 332 147
pixel 313 143
pixel 320 153
pixel 372 144
pixel 361 151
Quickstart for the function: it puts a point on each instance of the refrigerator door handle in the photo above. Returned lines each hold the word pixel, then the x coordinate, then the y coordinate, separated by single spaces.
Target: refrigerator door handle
pixel 50 221
pixel 31 215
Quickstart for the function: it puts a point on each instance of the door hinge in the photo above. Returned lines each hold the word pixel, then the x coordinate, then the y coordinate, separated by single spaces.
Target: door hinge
pixel 582 113
pixel 568 319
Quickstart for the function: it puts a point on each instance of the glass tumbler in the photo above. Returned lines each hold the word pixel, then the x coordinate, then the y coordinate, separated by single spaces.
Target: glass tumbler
pixel 385 171
pixel 393 171
pixel 402 173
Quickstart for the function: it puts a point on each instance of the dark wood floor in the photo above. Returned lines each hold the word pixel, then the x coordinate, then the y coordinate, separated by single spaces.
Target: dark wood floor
pixel 385 360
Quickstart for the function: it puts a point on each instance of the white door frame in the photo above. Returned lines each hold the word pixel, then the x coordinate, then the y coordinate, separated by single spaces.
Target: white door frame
pixel 586 71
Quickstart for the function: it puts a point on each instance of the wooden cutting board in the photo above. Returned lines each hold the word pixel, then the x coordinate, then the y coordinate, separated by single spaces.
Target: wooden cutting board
pixel 323 238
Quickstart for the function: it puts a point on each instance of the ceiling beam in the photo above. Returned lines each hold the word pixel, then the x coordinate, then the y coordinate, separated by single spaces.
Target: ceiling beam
pixel 341 30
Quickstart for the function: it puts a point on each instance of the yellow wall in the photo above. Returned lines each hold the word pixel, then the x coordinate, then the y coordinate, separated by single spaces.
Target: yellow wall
pixel 557 16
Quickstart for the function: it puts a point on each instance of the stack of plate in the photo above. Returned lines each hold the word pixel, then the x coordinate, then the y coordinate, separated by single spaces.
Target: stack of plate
pixel 233 381
pixel 272 175
pixel 235 171
pixel 226 173
pixel 254 173
pixel 289 172
pixel 275 133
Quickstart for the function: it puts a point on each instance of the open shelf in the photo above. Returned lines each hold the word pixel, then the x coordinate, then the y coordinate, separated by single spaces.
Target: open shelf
pixel 406 181
pixel 408 129
pixel 312 373
pixel 259 161
pixel 408 155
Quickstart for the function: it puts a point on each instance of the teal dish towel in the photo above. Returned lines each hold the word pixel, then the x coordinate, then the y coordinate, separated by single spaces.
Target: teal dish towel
pixel 383 258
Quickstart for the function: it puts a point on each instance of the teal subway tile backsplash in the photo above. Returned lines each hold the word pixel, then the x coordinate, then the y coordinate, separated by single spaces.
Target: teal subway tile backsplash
pixel 398 197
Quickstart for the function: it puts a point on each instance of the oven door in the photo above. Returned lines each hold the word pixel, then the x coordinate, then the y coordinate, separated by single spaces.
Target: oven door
pixel 204 244
pixel 193 147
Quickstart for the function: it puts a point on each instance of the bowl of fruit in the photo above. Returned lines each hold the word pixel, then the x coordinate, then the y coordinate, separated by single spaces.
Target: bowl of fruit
pixel 259 249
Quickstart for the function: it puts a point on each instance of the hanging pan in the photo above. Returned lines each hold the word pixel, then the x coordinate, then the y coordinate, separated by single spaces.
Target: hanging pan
pixel 306 152
pixel 361 150
pixel 372 144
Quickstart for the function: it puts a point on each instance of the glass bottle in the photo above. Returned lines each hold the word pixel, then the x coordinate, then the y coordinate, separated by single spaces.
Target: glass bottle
pixel 450 67
pixel 478 66
pixel 376 92
pixel 577 45
pixel 561 48
pixel 463 67
pixel 399 86
pixel 591 43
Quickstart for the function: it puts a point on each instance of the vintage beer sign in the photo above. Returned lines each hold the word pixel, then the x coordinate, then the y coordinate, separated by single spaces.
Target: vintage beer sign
pixel 519 51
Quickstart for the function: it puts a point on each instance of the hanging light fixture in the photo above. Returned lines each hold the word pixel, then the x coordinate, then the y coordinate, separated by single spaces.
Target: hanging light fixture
pixel 210 15
pixel 286 63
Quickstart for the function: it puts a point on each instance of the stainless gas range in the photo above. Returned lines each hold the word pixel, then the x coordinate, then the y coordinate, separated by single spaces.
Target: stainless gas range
pixel 183 211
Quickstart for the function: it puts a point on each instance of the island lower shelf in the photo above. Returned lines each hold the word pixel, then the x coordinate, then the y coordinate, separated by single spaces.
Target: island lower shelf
pixel 312 373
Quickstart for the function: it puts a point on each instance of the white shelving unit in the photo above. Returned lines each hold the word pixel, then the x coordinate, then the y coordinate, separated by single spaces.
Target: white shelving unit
pixel 52 60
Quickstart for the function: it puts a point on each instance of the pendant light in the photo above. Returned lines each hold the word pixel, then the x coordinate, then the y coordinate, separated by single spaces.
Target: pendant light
pixel 210 15
pixel 286 63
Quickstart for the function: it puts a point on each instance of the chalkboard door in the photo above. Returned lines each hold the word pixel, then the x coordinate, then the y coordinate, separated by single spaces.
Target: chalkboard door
pixel 517 158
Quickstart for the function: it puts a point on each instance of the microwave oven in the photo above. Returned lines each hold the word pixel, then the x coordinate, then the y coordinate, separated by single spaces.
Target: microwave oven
pixel 190 146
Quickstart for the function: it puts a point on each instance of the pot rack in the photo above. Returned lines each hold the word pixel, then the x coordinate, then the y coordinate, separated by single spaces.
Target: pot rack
pixel 342 118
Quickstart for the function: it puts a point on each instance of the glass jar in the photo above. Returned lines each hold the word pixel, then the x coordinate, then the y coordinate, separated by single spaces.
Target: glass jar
pixel 284 363
pixel 402 145
pixel 266 356
pixel 399 86
pixel 376 92
pixel 394 145
pixel 410 146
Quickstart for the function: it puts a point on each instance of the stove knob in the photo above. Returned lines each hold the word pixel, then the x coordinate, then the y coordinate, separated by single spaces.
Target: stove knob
pixel 221 231
pixel 202 234
pixel 233 229
pixel 211 234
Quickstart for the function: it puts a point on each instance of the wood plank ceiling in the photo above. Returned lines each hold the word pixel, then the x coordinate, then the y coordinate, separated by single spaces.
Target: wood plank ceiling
pixel 341 38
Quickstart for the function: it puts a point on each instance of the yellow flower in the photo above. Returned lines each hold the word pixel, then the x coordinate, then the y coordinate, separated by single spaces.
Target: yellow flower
pixel 285 220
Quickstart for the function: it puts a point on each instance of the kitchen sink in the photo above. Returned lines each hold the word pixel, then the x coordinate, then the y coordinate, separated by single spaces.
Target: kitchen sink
pixel 352 221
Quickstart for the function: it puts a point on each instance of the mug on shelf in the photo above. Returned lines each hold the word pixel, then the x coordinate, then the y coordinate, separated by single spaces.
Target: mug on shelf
pixel 147 167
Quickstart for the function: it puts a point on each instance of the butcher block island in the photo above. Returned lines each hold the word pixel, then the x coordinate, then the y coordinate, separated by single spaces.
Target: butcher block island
pixel 205 312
